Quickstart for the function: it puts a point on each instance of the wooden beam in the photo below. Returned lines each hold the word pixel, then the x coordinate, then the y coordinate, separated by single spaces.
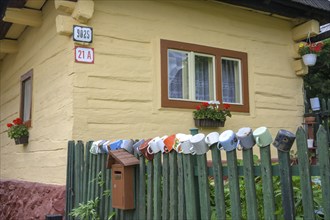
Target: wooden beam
pixel 301 31
pixel 64 24
pixel 65 6
pixel 35 4
pixel 8 46
pixel 83 11
pixel 23 16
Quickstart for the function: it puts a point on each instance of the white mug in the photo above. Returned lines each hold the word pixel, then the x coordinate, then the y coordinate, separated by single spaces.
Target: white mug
pixel 153 146
pixel 212 138
pixel 228 141
pixel 199 146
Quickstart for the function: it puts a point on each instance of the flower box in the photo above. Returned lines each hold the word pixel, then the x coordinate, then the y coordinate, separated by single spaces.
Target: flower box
pixel 209 123
pixel 22 140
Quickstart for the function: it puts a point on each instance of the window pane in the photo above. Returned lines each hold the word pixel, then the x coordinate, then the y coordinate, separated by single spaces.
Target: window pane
pixel 204 78
pixel 178 79
pixel 27 88
pixel 231 81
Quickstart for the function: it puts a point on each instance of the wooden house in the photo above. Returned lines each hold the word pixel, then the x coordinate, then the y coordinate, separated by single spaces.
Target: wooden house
pixel 147 64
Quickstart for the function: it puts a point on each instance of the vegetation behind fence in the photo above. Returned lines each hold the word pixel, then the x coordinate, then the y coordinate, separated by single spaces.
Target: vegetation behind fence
pixel 180 186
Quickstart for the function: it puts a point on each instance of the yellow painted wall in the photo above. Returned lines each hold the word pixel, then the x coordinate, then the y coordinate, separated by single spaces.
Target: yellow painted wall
pixel 50 57
pixel 119 96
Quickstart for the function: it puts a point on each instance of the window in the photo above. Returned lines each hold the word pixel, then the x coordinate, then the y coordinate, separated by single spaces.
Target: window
pixel 26 97
pixel 193 73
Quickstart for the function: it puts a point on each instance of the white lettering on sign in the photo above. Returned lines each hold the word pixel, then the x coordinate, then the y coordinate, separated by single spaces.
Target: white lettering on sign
pixel 82 34
pixel 84 55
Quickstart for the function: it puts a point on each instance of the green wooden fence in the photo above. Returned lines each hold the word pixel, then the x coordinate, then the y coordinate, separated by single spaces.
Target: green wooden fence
pixel 179 186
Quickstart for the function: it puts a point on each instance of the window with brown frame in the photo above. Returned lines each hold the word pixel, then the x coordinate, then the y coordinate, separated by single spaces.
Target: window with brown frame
pixel 192 73
pixel 26 97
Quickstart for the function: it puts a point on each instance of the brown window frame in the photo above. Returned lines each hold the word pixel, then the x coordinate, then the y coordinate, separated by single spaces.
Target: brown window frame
pixel 218 54
pixel 24 78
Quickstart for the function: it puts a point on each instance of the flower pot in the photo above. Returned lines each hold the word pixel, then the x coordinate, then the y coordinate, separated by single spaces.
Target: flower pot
pixel 208 123
pixel 22 140
pixel 309 59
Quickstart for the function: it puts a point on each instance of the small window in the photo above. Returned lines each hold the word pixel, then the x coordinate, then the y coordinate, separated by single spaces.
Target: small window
pixel 191 74
pixel 26 98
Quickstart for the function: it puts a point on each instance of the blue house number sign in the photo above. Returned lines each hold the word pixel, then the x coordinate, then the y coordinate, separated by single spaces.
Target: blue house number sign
pixel 82 34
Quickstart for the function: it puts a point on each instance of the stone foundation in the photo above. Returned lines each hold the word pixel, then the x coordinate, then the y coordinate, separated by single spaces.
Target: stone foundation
pixel 21 200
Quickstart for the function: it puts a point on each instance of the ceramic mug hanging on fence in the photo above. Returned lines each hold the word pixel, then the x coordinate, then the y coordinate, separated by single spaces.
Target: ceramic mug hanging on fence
pixel 184 144
pixel 127 145
pixel 228 141
pixel 284 140
pixel 212 138
pixel 199 146
pixel 262 136
pixel 136 146
pixel 245 138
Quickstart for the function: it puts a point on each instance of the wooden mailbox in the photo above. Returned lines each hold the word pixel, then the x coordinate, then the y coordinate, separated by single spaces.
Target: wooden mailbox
pixel 122 164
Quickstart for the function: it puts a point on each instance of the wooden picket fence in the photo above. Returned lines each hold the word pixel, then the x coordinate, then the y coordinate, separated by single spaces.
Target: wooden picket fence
pixel 177 186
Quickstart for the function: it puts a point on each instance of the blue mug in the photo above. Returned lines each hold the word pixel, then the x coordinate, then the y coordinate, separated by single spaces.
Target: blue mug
pixel 116 144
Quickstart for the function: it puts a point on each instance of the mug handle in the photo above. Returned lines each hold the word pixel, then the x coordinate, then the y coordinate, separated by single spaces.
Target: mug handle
pixel 179 147
pixel 148 150
pixel 207 140
pixel 257 141
pixel 237 146
pixel 218 146
pixel 192 151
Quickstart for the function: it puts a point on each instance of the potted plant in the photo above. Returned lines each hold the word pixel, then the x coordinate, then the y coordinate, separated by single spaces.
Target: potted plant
pixel 18 131
pixel 209 114
pixel 309 52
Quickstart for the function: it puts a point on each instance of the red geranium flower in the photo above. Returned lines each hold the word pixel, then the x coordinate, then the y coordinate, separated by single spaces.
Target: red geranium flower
pixel 198 107
pixel 9 125
pixel 205 104
pixel 17 121
pixel 226 106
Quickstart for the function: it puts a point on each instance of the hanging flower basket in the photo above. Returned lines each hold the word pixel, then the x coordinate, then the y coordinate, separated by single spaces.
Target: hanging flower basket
pixel 309 59
pixel 209 123
pixel 22 140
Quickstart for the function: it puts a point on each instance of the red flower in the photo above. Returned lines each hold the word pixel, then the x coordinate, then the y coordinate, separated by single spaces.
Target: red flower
pixel 17 121
pixel 9 125
pixel 198 107
pixel 226 106
pixel 317 47
pixel 205 104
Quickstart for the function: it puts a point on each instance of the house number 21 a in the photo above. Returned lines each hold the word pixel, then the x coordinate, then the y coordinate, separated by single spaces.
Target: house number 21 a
pixel 84 55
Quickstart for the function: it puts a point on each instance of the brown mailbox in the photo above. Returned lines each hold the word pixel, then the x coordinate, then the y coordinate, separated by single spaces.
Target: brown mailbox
pixel 122 175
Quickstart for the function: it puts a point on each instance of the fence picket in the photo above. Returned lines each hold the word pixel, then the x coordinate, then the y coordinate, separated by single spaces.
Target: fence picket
pixel 173 185
pixel 150 191
pixel 267 183
pixel 235 201
pixel 69 181
pixel 305 176
pixel 102 187
pixel 157 186
pixel 189 181
pixel 324 161
pixel 142 189
pixel 166 186
pixel 181 200
pixel 79 160
pixel 204 191
pixel 86 170
pixel 286 184
pixel 107 203
pixel 250 188
pixel 218 183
